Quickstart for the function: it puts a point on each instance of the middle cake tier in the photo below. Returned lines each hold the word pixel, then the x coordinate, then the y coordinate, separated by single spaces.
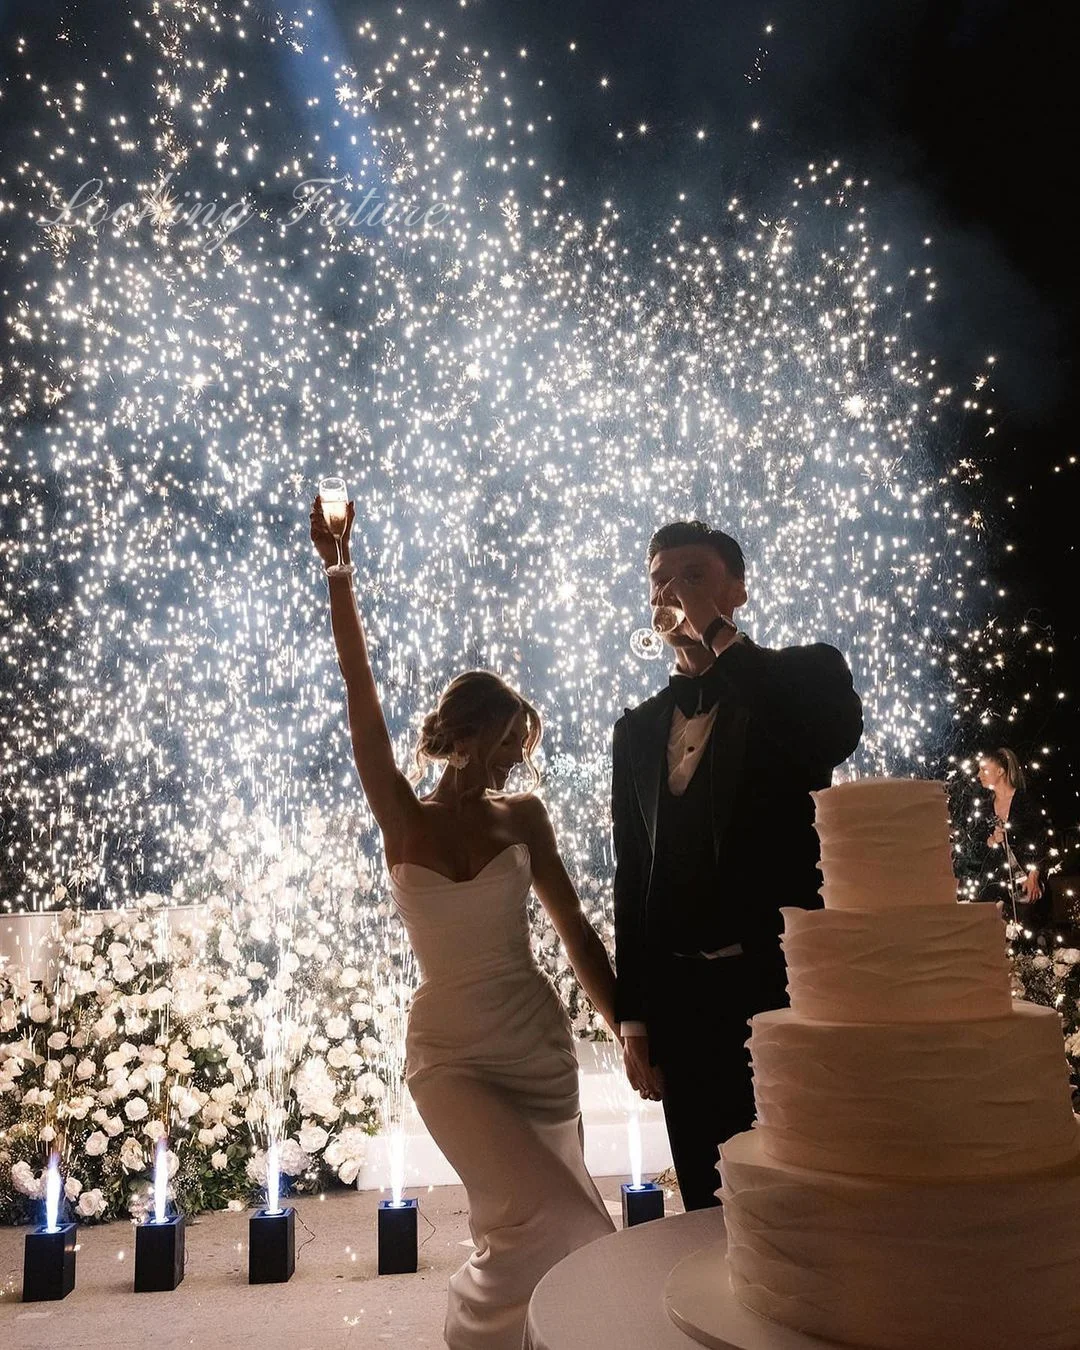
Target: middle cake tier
pixel 924 964
pixel 929 1100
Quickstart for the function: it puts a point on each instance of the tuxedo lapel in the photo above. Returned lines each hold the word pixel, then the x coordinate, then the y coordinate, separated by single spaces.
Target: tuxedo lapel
pixel 727 746
pixel 651 727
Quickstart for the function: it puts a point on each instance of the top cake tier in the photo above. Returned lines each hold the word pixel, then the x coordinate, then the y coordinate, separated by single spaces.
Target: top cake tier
pixel 885 843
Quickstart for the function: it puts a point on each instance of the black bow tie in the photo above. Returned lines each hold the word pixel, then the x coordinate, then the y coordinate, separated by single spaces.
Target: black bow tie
pixel 695 694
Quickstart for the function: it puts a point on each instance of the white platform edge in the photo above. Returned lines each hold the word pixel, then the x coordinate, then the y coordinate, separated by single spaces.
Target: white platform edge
pixel 699 1300
pixel 606 1104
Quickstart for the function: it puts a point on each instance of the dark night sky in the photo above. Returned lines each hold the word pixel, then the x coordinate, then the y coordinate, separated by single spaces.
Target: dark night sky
pixel 958 111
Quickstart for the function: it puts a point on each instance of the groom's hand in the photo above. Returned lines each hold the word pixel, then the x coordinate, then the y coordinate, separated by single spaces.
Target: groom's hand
pixel 646 1080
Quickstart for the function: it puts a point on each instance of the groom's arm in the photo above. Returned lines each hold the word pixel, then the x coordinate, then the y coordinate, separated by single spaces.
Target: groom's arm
pixel 630 879
pixel 803 700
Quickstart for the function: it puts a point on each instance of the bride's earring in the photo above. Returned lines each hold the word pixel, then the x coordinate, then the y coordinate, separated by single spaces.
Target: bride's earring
pixel 458 760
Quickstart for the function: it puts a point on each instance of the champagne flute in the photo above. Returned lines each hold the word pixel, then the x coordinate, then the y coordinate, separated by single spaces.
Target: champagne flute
pixel 667 613
pixel 335 507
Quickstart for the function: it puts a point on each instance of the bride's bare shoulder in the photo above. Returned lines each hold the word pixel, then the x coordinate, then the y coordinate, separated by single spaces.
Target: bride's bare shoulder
pixel 528 816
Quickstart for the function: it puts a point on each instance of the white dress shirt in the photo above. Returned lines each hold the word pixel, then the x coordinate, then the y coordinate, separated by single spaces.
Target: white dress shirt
pixel 688 740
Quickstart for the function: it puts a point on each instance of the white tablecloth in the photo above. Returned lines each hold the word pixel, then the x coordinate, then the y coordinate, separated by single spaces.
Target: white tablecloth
pixel 610 1294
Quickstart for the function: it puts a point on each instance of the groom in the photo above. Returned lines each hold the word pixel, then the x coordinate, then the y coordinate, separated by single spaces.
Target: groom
pixel 713 830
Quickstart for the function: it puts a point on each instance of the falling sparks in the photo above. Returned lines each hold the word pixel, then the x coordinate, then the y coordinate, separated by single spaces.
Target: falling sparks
pixel 371 280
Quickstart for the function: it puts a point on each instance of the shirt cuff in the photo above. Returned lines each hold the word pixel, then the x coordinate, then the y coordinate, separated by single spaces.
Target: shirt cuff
pixel 633 1029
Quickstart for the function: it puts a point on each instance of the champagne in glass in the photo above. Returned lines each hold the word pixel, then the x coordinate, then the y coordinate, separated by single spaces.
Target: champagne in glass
pixel 666 618
pixel 335 503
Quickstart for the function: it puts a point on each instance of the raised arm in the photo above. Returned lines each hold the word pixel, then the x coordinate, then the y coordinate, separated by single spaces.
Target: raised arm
pixel 388 791
pixel 584 949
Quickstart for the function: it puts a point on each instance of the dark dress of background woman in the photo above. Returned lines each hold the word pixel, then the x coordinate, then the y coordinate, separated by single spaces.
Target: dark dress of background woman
pixel 1008 845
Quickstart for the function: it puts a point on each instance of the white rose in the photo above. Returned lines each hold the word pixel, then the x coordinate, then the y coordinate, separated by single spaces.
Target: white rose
pixel 292 1158
pixel 313 1138
pixel 40 1012
pixel 132 1158
pixel 255 970
pixel 85 1069
pixel 179 1062
pixel 199 1038
pixel 57 1041
pixel 188 1104
pixel 338 1057
pixel 349 978
pixel 207 1138
pixel 51 1072
pixel 96 1143
pixel 24 1181
pixel 72 1188
pixel 105 1027
pixel 337 1027
pixel 362 1012
pixel 219 1161
pixel 225 1093
pixel 91 1204
pixel 136 1109
pixel 113 1125
pixel 153 1130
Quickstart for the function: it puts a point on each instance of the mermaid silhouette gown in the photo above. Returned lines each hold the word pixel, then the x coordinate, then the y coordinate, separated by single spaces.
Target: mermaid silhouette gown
pixel 491 1067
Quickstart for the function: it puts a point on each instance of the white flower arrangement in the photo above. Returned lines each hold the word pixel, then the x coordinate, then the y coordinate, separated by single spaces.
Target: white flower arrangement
pixel 1045 970
pixel 149 1034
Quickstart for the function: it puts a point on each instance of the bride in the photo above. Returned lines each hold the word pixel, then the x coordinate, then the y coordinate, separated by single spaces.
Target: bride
pixel 490 1058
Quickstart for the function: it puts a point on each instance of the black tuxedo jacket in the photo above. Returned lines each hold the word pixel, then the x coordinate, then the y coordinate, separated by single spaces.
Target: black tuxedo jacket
pixel 785 719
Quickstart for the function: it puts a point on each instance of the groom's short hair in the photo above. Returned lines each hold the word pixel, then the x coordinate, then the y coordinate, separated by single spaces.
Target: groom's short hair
pixel 681 533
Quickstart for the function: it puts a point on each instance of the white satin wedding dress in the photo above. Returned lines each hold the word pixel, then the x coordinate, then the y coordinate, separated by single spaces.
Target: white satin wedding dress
pixel 492 1070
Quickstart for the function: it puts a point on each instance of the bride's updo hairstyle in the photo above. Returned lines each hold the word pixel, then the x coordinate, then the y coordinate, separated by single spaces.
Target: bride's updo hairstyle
pixel 477 703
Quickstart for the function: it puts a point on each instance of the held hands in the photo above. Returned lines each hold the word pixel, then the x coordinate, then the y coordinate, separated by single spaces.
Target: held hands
pixel 324 541
pixel 646 1080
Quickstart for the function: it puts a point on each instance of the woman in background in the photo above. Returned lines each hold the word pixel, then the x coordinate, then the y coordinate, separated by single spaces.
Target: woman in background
pixel 1013 847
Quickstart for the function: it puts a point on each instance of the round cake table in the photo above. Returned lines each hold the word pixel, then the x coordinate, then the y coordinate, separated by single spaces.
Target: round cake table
pixel 639 1288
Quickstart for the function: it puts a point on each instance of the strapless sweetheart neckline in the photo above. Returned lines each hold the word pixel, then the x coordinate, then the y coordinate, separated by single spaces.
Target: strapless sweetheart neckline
pixel 467 881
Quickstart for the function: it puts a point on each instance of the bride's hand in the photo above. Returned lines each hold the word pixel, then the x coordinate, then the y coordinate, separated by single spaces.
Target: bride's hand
pixel 645 1078
pixel 325 544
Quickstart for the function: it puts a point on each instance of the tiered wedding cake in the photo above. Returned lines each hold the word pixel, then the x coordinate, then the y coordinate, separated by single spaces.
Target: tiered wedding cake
pixel 913 1180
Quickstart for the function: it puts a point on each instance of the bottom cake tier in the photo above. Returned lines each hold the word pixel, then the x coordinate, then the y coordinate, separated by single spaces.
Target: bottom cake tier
pixel 894 1265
